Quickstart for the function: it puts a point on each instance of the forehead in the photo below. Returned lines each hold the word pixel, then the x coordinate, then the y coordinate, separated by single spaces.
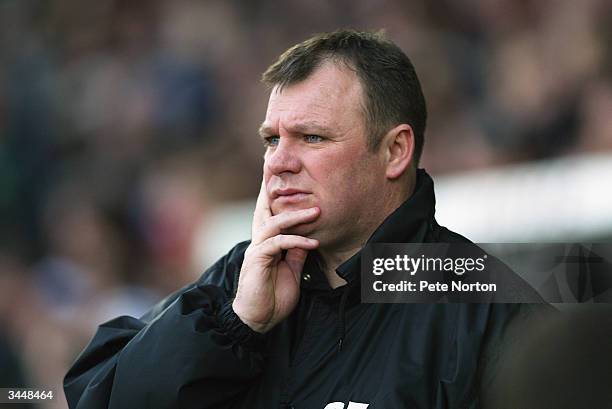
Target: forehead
pixel 330 97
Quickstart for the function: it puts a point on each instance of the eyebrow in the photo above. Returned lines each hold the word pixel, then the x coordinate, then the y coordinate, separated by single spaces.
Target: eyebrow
pixel 305 128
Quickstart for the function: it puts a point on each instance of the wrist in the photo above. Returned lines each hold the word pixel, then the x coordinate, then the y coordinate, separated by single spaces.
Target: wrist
pixel 238 330
pixel 253 325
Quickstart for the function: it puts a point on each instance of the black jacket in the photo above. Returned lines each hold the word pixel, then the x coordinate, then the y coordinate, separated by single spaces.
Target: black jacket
pixel 192 351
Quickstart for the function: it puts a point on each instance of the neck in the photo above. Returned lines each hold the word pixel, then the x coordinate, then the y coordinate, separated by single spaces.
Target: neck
pixel 333 260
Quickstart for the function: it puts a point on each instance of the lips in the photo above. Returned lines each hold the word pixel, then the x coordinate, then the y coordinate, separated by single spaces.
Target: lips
pixel 276 193
pixel 289 195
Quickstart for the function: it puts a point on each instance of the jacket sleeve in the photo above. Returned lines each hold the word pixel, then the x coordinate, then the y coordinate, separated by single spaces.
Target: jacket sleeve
pixel 190 351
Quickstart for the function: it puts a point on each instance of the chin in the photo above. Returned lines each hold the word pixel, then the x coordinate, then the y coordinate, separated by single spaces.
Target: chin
pixel 305 230
pixel 288 207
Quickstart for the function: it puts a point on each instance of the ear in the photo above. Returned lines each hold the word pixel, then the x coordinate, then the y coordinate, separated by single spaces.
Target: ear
pixel 398 145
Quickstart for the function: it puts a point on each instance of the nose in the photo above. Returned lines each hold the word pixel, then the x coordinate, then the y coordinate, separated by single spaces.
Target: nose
pixel 283 158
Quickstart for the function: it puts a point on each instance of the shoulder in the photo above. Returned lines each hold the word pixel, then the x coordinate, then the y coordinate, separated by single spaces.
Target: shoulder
pixel 516 289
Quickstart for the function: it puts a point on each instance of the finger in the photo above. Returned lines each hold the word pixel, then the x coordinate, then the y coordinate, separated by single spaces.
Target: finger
pixel 262 207
pixel 296 258
pixel 274 225
pixel 275 245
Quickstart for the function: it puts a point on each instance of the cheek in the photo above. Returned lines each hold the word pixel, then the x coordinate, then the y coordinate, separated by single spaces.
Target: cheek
pixel 336 177
pixel 327 172
pixel 340 176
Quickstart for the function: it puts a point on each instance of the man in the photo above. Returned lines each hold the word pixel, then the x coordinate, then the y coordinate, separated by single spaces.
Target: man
pixel 278 321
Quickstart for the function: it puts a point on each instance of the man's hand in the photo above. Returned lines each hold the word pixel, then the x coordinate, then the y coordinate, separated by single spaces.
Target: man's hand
pixel 269 286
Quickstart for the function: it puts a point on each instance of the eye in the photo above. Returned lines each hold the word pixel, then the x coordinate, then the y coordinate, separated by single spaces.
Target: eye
pixel 313 138
pixel 271 141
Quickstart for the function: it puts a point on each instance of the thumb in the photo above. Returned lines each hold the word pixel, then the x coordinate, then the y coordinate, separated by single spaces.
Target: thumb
pixel 295 258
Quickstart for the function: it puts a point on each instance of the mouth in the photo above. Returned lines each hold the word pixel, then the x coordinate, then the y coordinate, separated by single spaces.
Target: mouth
pixel 289 196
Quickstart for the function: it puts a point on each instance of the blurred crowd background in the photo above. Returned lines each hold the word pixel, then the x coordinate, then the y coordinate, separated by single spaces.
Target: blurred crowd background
pixel 125 123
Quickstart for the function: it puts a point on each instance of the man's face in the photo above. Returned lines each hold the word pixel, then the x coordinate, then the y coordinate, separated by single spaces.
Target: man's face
pixel 317 155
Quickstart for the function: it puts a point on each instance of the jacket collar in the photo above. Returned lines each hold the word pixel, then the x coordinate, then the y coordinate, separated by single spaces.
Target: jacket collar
pixel 409 223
